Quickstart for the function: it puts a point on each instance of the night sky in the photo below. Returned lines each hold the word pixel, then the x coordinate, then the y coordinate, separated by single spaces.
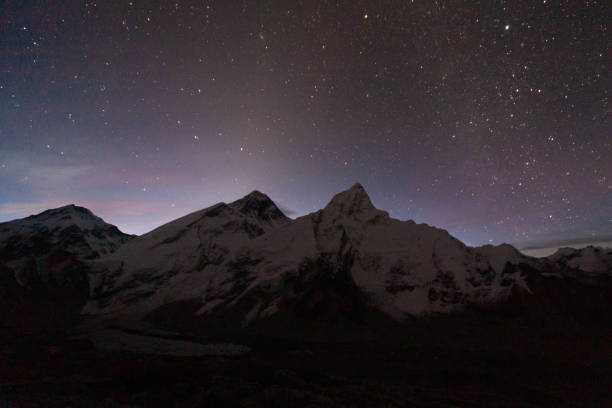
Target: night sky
pixel 491 119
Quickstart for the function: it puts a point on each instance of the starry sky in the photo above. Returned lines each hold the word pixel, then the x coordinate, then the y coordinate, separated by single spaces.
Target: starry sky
pixel 491 119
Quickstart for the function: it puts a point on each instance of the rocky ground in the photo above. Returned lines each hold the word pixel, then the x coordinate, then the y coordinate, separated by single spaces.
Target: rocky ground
pixel 452 361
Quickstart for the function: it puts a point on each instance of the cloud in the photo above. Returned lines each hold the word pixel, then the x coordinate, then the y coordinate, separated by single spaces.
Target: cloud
pixel 547 251
pixel 56 175
pixel 287 211
pixel 45 175
pixel 570 242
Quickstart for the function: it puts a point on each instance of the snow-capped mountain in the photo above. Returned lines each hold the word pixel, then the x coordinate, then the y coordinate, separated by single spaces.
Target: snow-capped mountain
pixel 177 260
pixel 46 256
pixel 245 265
pixel 40 245
pixel 590 260
pixel 350 247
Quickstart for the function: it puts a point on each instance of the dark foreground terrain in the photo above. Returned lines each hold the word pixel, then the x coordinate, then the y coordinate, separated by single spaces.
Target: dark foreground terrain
pixel 474 360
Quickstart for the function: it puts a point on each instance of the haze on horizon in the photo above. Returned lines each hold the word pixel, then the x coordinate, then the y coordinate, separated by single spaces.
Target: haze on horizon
pixel 535 249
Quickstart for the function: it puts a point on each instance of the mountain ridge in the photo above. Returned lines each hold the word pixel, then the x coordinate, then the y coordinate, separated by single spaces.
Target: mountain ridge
pixel 244 263
pixel 348 253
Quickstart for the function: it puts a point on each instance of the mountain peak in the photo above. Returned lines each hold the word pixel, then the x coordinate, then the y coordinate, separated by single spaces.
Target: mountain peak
pixel 66 210
pixel 351 201
pixel 259 205
pixel 256 194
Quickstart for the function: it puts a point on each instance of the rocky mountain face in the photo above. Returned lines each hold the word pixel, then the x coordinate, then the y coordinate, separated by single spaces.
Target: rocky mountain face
pixel 178 260
pixel 43 263
pixel 590 260
pixel 322 305
pixel 245 265
pixel 351 257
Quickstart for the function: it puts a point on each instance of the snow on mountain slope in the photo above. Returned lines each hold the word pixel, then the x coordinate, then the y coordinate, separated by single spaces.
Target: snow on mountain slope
pixel 398 267
pixel 342 260
pixel 176 260
pixel 501 255
pixel 39 244
pixel 58 224
pixel 591 260
pixel 245 263
pixel 43 263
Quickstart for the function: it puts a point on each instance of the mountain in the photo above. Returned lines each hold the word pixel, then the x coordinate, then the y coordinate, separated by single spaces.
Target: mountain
pixel 589 260
pixel 352 249
pixel 236 266
pixel 246 266
pixel 569 289
pixel 43 262
pixel 320 308
pixel 176 261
